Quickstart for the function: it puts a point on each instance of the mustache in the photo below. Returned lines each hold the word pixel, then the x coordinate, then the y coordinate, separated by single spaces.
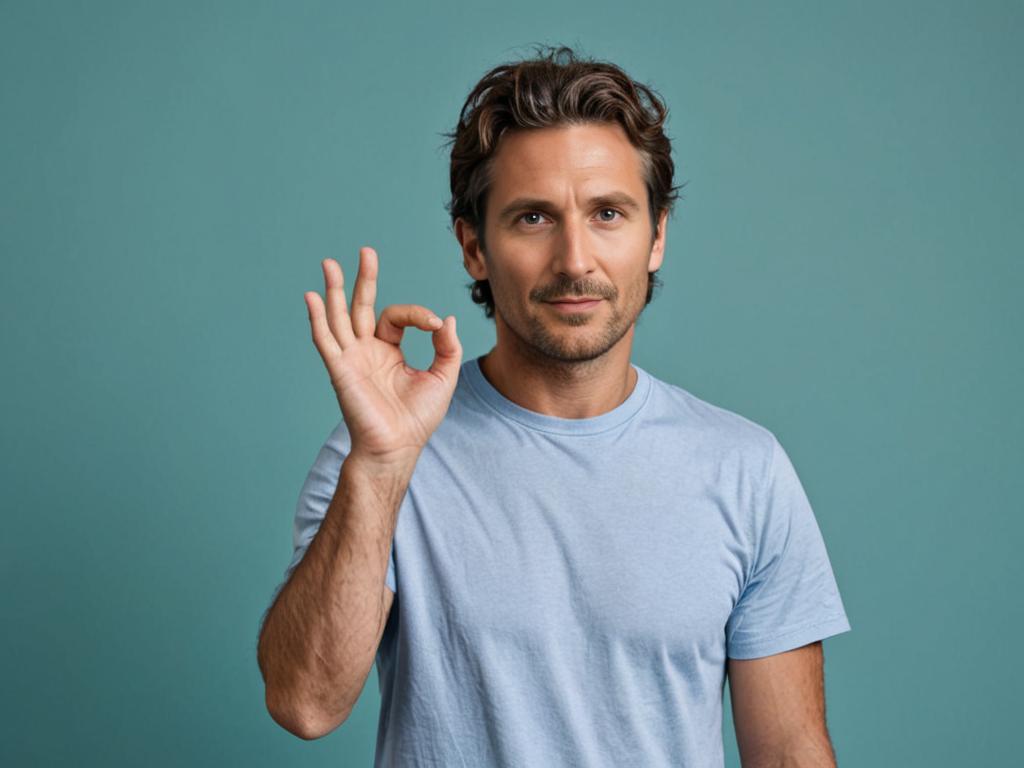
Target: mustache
pixel 566 290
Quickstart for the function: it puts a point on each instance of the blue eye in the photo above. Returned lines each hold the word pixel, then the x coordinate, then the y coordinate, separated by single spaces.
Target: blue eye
pixel 524 217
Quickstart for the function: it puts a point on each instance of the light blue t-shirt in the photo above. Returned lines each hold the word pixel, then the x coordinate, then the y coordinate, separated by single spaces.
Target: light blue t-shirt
pixel 568 590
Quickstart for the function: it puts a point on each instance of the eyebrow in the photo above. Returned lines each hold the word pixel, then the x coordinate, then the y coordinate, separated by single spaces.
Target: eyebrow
pixel 619 199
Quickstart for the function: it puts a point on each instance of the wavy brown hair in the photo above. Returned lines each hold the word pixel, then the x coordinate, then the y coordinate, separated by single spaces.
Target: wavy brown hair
pixel 555 88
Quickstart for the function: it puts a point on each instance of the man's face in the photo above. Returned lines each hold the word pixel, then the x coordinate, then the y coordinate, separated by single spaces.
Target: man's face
pixel 567 218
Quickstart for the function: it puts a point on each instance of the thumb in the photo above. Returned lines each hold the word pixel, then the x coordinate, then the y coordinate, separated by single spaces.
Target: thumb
pixel 447 351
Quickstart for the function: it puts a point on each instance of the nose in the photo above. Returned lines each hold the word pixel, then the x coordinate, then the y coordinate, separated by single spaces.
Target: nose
pixel 572 251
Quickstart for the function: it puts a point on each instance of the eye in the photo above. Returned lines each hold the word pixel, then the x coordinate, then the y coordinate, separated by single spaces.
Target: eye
pixel 609 210
pixel 531 213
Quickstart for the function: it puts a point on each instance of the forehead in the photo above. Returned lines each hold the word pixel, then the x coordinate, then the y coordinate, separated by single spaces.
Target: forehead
pixel 548 161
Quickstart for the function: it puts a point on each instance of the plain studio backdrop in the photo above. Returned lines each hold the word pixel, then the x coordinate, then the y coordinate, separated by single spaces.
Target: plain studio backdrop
pixel 845 268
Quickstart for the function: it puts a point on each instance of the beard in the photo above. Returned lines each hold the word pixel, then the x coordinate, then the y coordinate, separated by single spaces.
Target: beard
pixel 578 337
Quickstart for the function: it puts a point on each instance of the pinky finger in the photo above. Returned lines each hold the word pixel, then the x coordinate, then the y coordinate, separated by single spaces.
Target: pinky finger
pixel 324 340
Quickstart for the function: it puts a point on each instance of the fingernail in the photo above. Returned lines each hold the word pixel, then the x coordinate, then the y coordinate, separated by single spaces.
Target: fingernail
pixel 435 320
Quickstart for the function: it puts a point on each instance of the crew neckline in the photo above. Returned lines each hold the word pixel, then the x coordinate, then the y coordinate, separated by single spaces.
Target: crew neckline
pixel 542 422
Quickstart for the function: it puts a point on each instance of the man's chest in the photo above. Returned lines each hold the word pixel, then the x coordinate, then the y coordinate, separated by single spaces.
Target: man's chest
pixel 655 565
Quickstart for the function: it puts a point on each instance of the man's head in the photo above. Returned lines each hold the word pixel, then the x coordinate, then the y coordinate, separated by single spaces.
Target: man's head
pixel 561 180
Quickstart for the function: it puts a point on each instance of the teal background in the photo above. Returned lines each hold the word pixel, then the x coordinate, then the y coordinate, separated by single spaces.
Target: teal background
pixel 844 268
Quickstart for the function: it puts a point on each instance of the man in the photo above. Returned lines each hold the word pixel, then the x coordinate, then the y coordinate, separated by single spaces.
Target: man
pixel 553 557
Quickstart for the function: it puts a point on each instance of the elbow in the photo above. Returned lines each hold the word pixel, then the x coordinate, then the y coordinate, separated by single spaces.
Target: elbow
pixel 305 724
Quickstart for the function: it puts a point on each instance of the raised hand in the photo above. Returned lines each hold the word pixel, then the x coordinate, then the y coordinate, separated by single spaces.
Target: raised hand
pixel 390 408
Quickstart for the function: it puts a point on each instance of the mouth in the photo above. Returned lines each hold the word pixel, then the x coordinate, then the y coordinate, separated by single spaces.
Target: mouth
pixel 575 304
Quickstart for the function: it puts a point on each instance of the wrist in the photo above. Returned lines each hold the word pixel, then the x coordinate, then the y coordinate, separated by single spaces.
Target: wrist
pixel 399 464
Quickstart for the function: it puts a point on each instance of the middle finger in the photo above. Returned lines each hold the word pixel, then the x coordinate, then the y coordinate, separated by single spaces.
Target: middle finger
pixel 365 293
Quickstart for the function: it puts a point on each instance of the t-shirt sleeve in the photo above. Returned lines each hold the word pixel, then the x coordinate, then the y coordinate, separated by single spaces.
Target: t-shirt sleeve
pixel 790 597
pixel 314 499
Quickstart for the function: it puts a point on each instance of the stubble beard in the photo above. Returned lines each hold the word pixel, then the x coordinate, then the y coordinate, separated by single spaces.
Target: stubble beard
pixel 539 333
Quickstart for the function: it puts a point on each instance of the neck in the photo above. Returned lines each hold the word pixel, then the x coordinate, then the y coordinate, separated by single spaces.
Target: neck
pixel 568 390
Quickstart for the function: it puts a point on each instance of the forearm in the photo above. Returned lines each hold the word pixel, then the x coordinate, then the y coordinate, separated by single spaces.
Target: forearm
pixel 320 637
pixel 806 753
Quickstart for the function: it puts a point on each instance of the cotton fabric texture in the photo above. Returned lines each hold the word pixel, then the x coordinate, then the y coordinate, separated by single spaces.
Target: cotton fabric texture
pixel 568 590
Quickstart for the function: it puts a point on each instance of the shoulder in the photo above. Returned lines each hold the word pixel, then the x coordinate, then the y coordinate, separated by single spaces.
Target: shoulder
pixel 712 424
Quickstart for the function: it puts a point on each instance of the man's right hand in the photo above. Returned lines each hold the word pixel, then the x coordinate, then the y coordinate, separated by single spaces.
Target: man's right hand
pixel 390 408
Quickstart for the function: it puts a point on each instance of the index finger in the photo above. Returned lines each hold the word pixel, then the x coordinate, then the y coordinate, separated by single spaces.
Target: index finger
pixel 397 317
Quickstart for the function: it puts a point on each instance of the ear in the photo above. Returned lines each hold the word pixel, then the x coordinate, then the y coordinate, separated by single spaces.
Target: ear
pixel 658 246
pixel 472 256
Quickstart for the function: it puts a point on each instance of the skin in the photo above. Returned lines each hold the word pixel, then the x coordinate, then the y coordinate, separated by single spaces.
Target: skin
pixel 571 366
pixel 319 639
pixel 778 705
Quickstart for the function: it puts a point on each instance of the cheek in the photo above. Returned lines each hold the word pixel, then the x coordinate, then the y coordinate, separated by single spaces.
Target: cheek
pixel 516 274
pixel 638 286
pixel 508 290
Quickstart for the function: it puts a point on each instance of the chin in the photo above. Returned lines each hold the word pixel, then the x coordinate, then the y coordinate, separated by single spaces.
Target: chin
pixel 557 347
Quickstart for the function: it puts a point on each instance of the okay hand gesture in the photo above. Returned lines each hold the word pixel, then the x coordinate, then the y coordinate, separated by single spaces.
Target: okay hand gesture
pixel 390 408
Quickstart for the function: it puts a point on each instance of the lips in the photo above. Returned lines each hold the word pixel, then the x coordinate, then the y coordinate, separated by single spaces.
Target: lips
pixel 574 306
